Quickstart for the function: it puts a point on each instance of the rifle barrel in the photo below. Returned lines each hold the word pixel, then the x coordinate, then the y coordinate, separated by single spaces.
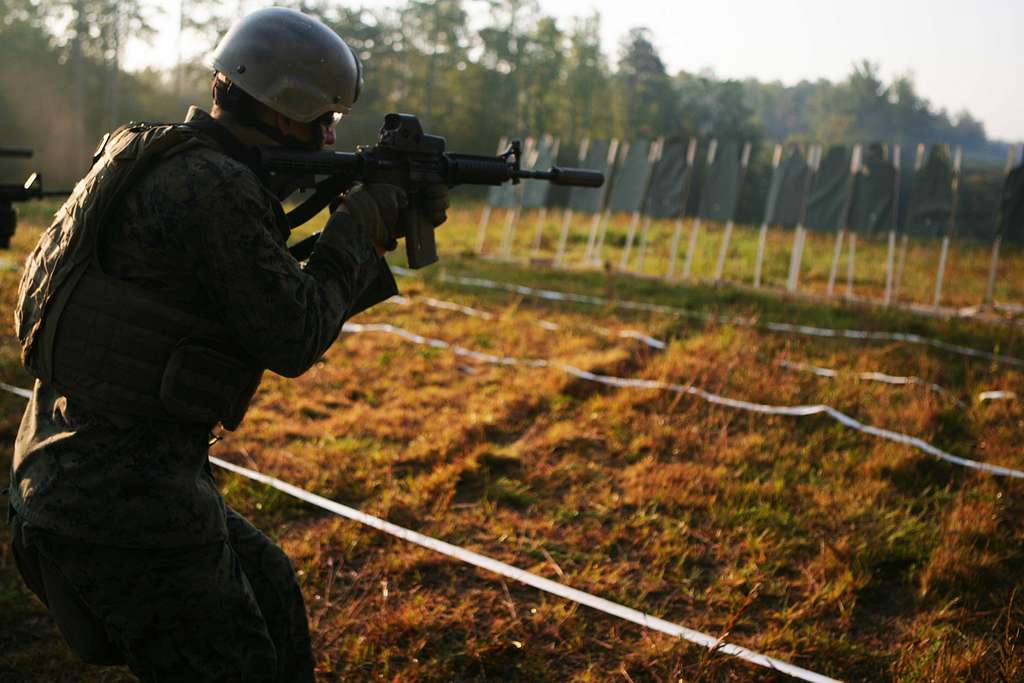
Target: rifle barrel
pixel 19 152
pixel 575 177
pixel 456 169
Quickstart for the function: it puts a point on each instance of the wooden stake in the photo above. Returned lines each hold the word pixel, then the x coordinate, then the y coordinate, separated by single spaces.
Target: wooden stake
pixel 485 217
pixel 843 229
pixel 723 252
pixel 596 250
pixel 653 155
pixel 720 266
pixel 796 256
pixel 530 152
pixel 940 272
pixel 595 224
pixel 769 216
pixel 567 215
pixel 563 237
pixel 794 260
pixel 889 261
pixel 897 153
pixel 855 162
pixel 990 288
pixel 644 234
pixel 481 233
pixel 918 165
pixel 836 253
pixel 634 223
pixel 695 230
pixel 538 233
pixel 691 157
pixel 850 265
pixel 674 250
pixel 762 237
pixel 800 237
pixel 511 218
pixel 899 267
pixel 688 265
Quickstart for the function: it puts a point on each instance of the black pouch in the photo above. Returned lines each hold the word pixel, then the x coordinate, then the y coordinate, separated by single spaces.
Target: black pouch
pixel 202 384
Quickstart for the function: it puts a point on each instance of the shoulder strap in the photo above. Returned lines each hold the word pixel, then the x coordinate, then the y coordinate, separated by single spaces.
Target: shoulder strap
pixel 231 146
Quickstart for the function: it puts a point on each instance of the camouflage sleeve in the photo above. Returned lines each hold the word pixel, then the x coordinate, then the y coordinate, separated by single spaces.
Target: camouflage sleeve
pixel 343 234
pixel 285 316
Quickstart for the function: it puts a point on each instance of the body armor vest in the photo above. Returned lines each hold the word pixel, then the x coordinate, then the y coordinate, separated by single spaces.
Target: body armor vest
pixel 110 345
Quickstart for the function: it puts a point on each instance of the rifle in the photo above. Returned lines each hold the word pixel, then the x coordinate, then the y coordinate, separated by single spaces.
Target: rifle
pixel 23 152
pixel 407 157
pixel 10 193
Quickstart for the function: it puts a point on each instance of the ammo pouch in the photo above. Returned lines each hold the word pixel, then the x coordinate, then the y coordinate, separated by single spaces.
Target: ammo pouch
pixel 117 348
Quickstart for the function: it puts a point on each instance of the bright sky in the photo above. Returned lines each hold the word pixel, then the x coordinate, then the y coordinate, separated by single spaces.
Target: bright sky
pixel 963 55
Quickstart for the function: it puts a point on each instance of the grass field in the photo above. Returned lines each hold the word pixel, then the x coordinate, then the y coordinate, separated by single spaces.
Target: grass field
pixel 965 281
pixel 843 553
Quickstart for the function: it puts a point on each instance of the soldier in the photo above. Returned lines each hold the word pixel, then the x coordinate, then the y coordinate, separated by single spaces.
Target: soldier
pixel 148 312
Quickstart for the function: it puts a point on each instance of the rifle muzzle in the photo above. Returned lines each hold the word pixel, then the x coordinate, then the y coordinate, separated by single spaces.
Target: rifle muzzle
pixel 576 177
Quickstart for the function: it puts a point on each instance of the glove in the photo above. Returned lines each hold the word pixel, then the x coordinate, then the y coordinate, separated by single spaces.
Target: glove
pixel 376 207
pixel 434 204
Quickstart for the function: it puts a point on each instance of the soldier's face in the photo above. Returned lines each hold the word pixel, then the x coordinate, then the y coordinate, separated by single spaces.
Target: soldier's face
pixel 327 123
pixel 316 134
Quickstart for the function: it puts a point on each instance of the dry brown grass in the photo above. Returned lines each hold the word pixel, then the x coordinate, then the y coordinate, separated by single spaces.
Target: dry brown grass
pixel 845 554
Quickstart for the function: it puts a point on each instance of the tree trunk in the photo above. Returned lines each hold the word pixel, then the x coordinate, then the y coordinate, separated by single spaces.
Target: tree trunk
pixel 78 70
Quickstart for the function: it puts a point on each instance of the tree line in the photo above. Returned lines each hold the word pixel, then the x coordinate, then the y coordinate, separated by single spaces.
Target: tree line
pixel 519 72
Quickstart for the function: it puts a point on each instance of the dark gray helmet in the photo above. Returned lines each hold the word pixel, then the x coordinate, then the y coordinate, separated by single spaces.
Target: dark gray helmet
pixel 290 62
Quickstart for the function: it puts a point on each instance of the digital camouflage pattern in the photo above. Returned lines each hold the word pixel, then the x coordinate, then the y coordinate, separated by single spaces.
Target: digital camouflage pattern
pixel 203 232
pixel 147 539
pixel 69 244
pixel 212 612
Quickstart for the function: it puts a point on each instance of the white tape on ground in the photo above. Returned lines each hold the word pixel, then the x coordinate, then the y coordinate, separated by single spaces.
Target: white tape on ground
pixel 514 573
pixel 561 590
pixel 625 382
pixel 17 391
pixel 865 335
pixel 545 324
pixel 997 396
pixel 871 377
pixel 661 345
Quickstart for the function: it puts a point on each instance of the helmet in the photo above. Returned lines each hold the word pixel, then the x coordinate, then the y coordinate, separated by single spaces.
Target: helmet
pixel 290 62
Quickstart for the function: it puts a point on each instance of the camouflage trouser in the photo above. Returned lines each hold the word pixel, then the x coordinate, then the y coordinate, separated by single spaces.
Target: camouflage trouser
pixel 222 612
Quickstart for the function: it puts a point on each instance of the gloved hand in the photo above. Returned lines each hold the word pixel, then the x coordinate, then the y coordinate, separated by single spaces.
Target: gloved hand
pixel 434 204
pixel 376 207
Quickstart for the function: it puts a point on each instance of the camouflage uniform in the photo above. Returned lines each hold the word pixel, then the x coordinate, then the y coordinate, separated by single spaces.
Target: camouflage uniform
pixel 117 520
